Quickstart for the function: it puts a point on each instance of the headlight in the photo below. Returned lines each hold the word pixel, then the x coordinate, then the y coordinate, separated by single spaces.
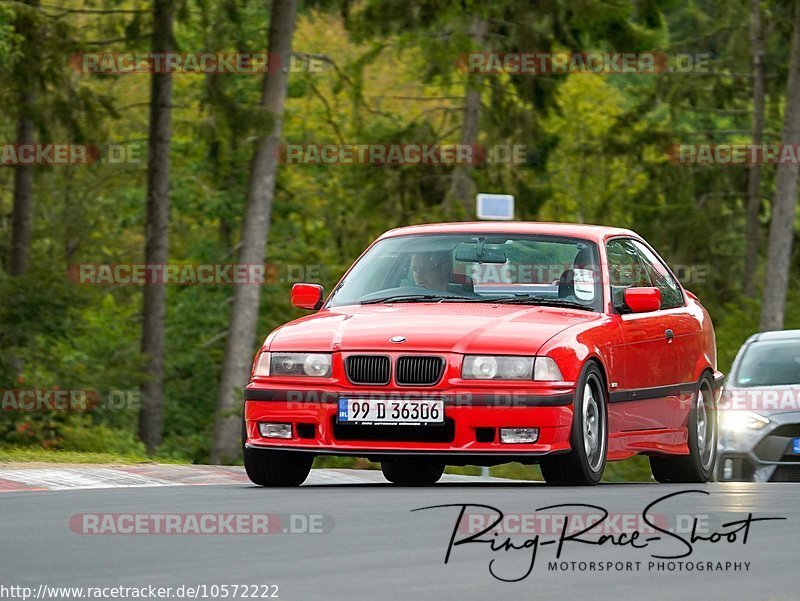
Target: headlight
pixel 546 369
pixel 262 365
pixel 317 365
pixel 734 420
pixel 494 367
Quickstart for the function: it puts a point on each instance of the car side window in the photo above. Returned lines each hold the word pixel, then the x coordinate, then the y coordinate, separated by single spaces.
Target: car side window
pixel 661 278
pixel 625 269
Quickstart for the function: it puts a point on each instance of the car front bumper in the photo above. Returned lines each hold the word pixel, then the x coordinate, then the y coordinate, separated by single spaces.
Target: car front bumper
pixel 761 455
pixel 471 429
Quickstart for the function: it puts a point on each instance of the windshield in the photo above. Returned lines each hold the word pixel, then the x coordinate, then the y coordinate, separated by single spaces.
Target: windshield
pixel 770 363
pixel 521 269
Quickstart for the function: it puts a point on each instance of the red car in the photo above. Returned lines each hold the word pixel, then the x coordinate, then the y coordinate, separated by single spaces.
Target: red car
pixel 484 343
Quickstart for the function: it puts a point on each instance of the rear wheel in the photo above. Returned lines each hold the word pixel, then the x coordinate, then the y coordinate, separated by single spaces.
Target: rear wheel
pixel 268 467
pixel 584 464
pixel 410 471
pixel 698 465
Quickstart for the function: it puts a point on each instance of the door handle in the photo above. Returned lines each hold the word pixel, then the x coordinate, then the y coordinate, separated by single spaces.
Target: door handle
pixel 669 334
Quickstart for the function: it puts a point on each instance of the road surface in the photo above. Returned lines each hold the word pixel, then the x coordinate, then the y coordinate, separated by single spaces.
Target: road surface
pixel 355 538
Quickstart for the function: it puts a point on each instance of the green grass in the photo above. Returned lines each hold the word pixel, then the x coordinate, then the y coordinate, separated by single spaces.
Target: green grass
pixel 31 455
pixel 636 469
pixel 358 463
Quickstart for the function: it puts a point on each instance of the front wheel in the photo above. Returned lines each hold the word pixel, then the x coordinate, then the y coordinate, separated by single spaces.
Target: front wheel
pixel 698 465
pixel 409 471
pixel 269 467
pixel 584 464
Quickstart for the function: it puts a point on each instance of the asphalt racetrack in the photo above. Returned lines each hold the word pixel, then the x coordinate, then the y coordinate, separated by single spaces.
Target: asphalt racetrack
pixel 349 537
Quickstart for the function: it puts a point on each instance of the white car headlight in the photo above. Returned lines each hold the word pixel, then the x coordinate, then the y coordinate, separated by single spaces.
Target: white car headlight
pixel 262 365
pixel 546 369
pixel 735 420
pixel 317 365
pixel 495 367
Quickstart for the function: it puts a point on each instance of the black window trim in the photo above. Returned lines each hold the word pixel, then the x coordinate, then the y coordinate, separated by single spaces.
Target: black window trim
pixel 642 241
pixel 591 242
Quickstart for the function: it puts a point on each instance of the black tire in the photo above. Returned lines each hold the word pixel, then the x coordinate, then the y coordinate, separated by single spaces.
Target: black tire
pixel 267 467
pixel 698 465
pixel 580 467
pixel 411 471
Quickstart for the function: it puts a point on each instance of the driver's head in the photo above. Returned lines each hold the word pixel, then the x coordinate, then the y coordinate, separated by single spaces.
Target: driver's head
pixel 583 259
pixel 431 270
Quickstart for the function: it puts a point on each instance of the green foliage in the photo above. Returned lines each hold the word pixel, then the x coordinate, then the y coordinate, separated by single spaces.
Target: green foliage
pixel 99 438
pixel 590 183
pixel 32 454
pixel 636 469
pixel 9 39
pixel 595 147
pixel 740 321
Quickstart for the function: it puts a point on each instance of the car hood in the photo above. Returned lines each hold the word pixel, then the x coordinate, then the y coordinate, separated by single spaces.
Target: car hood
pixel 442 327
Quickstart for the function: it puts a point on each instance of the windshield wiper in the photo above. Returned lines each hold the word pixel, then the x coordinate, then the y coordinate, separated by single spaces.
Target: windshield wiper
pixel 411 298
pixel 531 300
pixel 515 300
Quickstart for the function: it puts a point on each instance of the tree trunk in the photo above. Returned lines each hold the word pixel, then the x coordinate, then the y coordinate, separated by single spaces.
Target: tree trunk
pixel 23 192
pixel 784 204
pixel 241 338
pixel 26 26
pixel 157 232
pixel 752 229
pixel 462 187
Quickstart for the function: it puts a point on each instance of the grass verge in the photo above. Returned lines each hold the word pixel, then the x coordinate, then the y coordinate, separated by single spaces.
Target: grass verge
pixel 36 455
pixel 636 469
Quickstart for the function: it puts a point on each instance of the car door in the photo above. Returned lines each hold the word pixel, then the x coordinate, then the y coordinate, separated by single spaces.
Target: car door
pixel 687 321
pixel 687 326
pixel 646 352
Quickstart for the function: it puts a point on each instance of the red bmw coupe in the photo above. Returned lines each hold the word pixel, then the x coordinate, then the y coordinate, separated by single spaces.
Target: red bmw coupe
pixel 484 343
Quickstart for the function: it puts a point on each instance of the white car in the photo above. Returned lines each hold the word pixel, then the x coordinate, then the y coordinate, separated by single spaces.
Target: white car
pixel 759 413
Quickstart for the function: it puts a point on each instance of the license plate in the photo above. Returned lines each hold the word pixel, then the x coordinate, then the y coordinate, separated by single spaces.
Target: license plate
pixel 796 446
pixel 375 411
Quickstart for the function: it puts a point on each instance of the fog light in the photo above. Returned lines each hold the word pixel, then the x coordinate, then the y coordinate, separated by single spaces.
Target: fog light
pixel 517 435
pixel 269 430
pixel 727 469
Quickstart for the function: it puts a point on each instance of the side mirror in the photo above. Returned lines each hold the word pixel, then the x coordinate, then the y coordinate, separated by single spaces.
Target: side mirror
pixel 643 300
pixel 307 296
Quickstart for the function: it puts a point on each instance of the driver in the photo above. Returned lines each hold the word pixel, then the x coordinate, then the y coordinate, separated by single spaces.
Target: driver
pixel 431 270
